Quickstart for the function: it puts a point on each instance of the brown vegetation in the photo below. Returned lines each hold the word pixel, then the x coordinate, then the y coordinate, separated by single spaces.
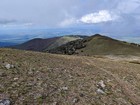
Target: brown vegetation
pixel 45 79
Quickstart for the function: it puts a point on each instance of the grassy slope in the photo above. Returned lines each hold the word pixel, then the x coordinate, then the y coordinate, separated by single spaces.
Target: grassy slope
pixel 39 78
pixel 37 44
pixel 61 41
pixel 99 45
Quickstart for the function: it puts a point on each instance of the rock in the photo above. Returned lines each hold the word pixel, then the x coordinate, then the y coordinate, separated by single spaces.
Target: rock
pixel 55 103
pixel 30 72
pixel 99 91
pixel 12 66
pixel 81 95
pixel 16 79
pixel 70 76
pixel 101 84
pixel 5 102
pixel 64 88
pixel 108 80
pixel 9 66
pixel 75 100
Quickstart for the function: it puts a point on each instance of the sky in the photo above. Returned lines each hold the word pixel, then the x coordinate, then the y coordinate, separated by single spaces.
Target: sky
pixel 120 17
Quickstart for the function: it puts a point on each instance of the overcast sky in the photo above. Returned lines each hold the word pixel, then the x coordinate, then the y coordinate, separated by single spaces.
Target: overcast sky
pixel 110 16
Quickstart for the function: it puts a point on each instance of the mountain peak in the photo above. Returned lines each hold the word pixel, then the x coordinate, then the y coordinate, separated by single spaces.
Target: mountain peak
pixel 98 35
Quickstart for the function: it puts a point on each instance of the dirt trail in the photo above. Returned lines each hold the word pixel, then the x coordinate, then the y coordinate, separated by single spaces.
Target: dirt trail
pixel 128 89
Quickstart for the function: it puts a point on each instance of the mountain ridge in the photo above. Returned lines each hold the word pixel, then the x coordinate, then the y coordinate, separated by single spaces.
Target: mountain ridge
pixel 81 45
pixel 98 45
pixel 40 44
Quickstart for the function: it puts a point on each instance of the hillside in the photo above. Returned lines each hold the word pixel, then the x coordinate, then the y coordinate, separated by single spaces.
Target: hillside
pixel 39 44
pixel 33 78
pixel 63 40
pixel 98 45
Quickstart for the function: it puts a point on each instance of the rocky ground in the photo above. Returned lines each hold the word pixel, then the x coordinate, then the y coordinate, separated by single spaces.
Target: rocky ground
pixel 30 78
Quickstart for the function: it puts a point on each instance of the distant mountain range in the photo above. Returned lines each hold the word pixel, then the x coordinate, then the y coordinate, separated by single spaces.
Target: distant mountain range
pixel 81 45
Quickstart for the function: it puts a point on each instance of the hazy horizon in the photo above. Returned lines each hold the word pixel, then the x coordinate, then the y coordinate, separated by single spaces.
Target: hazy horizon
pixel 23 35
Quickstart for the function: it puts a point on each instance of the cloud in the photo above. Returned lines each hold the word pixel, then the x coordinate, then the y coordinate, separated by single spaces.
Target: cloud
pixel 17 25
pixel 14 23
pixel 98 17
pixel 113 15
pixel 128 6
pixel 5 21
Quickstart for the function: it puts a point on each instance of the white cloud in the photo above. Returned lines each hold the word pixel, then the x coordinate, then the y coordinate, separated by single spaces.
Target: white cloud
pixel 98 17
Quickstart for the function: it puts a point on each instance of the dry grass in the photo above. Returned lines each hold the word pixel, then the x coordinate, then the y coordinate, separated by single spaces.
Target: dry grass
pixel 46 79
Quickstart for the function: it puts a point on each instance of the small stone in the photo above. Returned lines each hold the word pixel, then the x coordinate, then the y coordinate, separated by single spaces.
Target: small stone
pixel 12 66
pixel 55 103
pixel 30 72
pixel 75 100
pixel 81 95
pixel 7 66
pixel 99 91
pixel 5 102
pixel 65 88
pixel 70 76
pixel 108 80
pixel 101 84
pixel 37 71
pixel 16 79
